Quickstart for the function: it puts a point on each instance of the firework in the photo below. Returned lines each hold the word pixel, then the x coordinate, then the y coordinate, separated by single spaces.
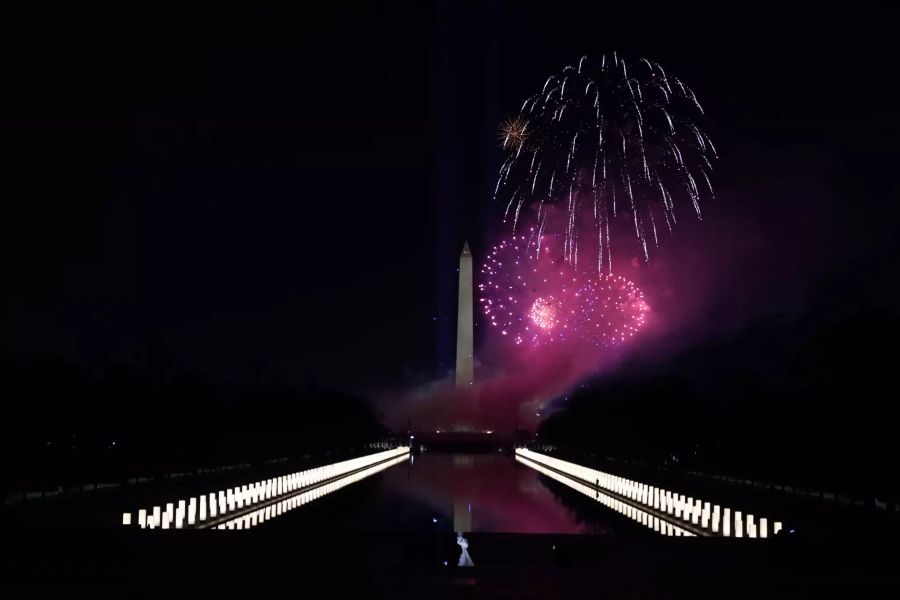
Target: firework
pixel 536 298
pixel 546 312
pixel 513 133
pixel 600 140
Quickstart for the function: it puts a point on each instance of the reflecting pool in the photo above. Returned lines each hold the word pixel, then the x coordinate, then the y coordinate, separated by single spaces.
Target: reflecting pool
pixel 457 492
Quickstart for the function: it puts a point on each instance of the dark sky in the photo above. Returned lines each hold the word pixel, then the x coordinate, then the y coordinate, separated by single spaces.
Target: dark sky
pixel 231 192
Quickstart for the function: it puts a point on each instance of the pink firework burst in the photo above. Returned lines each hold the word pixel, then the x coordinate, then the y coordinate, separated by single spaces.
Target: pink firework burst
pixel 531 295
pixel 545 312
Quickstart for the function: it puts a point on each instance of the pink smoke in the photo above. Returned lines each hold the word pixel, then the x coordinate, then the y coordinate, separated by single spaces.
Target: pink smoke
pixel 514 392
pixel 529 359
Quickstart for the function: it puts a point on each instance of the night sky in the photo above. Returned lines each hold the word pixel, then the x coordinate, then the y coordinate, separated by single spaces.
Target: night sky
pixel 237 192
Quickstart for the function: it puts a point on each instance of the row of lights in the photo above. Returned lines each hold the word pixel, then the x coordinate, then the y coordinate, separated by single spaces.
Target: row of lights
pixel 644 518
pixel 717 520
pixel 197 510
pixel 261 515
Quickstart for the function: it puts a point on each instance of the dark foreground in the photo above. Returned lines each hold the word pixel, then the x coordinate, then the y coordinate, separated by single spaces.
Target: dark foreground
pixel 129 563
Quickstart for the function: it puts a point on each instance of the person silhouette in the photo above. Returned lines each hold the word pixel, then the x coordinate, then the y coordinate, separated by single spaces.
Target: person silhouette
pixel 464 559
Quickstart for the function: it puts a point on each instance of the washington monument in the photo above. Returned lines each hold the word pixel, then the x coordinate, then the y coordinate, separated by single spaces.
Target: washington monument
pixel 465 369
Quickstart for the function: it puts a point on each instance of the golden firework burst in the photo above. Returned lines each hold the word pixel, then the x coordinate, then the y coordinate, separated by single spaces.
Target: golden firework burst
pixel 513 133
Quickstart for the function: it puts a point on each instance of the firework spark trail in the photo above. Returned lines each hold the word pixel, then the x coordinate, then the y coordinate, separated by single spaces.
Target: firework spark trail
pixel 608 130
pixel 534 299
